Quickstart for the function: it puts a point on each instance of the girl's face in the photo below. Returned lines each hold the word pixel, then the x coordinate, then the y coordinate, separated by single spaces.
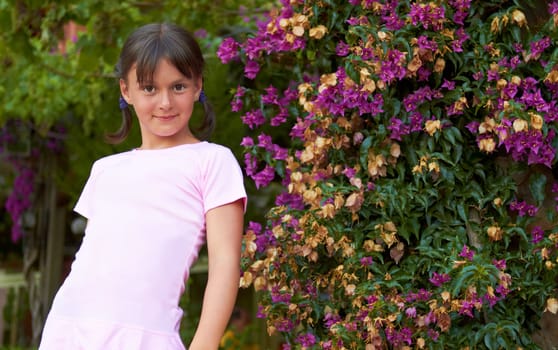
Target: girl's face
pixel 163 106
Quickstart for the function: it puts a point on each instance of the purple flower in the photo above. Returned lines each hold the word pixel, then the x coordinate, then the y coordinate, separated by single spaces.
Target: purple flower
pixel 264 177
pixel 450 85
pixel 500 264
pixel 270 96
pixel 247 141
pixel 490 299
pixel 466 308
pixel 397 339
pixel 392 21
pixel 423 73
pixel 523 208
pixel 256 227
pixel 538 47
pixel 253 118
pixel 251 164
pixel 461 10
pixel 260 313
pixel 492 75
pixel 397 128
pixel 467 253
pixel 228 50
pixel 284 326
pixel 433 334
pixel 251 69
pixel 502 290
pixel 392 67
pixel 280 117
pixel 236 103
pixel 19 200
pixel 306 340
pixel 537 235
pixel 331 319
pixel 265 142
pixel 427 15
pixel 424 43
pixel 342 49
pixel 349 172
pixel 366 261
pixel 462 36
pixel 200 33
pixel 438 279
pixel 411 312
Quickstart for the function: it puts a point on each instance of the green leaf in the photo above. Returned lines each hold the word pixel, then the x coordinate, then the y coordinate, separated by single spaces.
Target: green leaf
pixel 462 212
pixel 364 147
pixel 537 183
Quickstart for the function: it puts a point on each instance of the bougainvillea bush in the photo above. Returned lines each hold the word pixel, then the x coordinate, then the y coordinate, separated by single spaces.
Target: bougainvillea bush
pixel 415 143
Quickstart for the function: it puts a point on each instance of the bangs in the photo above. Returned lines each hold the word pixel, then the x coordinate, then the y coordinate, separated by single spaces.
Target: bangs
pixel 164 47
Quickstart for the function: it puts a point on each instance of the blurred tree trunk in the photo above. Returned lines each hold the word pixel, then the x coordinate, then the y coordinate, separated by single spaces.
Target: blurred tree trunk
pixel 44 248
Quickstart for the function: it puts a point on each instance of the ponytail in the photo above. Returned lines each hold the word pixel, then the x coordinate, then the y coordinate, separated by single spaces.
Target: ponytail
pixel 208 125
pixel 120 135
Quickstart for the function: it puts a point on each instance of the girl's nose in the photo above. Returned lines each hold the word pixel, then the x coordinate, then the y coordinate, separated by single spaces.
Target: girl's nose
pixel 165 100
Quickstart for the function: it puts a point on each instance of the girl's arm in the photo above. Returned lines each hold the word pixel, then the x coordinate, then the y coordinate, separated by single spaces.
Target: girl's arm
pixel 224 226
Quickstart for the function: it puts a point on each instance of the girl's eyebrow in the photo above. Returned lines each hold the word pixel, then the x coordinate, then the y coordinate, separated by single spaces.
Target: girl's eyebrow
pixel 178 81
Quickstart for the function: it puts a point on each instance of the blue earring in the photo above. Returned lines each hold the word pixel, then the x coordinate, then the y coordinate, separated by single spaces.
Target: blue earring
pixel 202 97
pixel 122 102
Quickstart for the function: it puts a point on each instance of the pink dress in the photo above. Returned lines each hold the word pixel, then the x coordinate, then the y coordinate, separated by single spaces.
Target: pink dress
pixel 145 211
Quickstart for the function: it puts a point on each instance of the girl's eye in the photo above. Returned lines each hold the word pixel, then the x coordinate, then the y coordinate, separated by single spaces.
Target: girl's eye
pixel 148 89
pixel 179 87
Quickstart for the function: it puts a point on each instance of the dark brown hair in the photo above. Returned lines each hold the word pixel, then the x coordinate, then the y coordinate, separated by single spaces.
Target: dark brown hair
pixel 145 47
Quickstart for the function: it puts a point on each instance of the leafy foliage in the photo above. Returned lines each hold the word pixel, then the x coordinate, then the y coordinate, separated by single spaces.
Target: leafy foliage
pixel 415 146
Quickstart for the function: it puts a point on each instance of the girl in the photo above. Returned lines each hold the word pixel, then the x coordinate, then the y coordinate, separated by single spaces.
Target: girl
pixel 149 211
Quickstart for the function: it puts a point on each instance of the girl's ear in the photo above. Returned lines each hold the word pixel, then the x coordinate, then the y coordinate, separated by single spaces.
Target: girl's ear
pixel 199 85
pixel 124 91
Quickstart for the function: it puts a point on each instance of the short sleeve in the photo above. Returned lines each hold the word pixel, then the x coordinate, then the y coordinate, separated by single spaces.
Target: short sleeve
pixel 83 205
pixel 223 181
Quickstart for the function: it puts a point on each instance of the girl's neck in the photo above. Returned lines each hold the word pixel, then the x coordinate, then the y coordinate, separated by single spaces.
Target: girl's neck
pixel 159 145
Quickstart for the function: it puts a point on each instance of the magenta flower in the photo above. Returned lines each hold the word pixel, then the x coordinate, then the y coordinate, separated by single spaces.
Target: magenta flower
pixel 466 308
pixel 306 340
pixel 253 118
pixel 280 117
pixel 537 235
pixel 237 103
pixel 392 67
pixel 467 253
pixel 342 49
pixel 228 50
pixel 500 264
pixel 426 44
pixel 538 47
pixel 366 261
pixel 250 164
pixel 270 96
pixel 247 141
pixel 251 69
pixel 433 334
pixel 411 312
pixel 523 208
pixel 264 177
pixel 284 326
pixel 438 279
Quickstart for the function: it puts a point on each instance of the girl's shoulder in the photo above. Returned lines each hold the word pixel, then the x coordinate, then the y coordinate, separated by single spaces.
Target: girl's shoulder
pixel 111 159
pixel 213 148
